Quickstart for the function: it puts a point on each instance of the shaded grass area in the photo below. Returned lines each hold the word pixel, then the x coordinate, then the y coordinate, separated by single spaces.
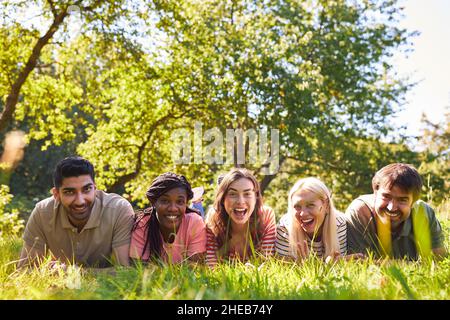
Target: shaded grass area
pixel 270 279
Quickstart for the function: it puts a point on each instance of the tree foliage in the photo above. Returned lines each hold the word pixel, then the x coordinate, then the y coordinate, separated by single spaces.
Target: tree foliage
pixel 435 166
pixel 135 71
pixel 10 222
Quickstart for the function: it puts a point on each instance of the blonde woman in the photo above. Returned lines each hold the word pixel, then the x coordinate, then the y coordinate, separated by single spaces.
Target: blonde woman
pixel 312 223
pixel 239 225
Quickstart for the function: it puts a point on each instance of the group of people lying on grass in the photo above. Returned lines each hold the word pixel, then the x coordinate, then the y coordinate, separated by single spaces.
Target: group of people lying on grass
pixel 85 226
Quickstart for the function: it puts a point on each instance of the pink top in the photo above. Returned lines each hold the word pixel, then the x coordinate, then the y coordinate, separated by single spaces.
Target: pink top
pixel 190 240
pixel 266 245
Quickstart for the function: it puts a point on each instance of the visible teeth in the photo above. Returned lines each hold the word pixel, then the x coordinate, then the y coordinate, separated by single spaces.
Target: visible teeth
pixel 307 221
pixel 240 211
pixel 172 217
pixel 392 214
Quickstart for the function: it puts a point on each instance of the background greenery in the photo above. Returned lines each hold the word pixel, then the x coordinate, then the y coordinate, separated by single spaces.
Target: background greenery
pixel 111 80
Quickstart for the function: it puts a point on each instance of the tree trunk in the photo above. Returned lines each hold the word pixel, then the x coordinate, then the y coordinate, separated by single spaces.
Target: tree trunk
pixel 268 178
pixel 13 97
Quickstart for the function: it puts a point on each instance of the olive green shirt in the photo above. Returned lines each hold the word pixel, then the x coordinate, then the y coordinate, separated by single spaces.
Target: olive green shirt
pixel 362 235
pixel 109 226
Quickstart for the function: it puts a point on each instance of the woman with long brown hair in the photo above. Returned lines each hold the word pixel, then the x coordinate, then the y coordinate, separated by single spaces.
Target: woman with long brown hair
pixel 239 226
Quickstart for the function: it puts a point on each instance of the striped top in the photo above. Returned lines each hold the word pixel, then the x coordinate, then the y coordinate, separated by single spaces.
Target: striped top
pixel 265 245
pixel 282 239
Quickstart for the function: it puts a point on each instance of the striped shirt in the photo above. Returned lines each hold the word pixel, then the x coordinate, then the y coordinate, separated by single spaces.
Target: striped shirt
pixel 265 246
pixel 282 239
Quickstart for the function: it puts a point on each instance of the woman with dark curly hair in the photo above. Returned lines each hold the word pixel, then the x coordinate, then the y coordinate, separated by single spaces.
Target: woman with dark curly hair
pixel 169 230
pixel 239 226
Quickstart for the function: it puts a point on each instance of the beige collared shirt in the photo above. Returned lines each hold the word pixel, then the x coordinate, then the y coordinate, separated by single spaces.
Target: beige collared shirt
pixel 109 226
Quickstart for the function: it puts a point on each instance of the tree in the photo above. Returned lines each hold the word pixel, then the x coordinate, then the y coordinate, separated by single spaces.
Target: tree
pixel 51 88
pixel 19 67
pixel 435 166
pixel 316 71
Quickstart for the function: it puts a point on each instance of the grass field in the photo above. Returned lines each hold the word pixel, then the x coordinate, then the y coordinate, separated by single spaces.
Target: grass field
pixel 271 279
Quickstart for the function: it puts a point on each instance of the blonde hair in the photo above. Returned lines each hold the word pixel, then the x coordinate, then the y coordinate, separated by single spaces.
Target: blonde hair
pixel 297 234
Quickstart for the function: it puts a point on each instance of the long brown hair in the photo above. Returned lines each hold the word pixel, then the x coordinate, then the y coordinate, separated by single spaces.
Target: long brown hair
pixel 219 222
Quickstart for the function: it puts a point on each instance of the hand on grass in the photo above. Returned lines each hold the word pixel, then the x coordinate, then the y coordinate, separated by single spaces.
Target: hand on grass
pixel 303 249
pixel 57 266
pixel 350 257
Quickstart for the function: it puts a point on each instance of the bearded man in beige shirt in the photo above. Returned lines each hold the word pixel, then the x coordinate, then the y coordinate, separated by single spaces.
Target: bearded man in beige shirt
pixel 78 224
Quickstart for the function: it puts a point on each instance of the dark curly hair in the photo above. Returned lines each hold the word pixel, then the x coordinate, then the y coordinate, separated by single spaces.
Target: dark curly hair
pixel 161 185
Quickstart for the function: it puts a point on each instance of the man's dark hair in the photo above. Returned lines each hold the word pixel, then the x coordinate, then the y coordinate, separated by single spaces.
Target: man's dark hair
pixel 72 167
pixel 402 175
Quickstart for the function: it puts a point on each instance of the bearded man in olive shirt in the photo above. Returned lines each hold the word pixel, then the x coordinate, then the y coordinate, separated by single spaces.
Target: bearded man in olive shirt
pixel 387 222
pixel 79 224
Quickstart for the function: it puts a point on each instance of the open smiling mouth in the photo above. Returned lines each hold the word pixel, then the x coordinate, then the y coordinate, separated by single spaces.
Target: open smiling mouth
pixel 392 214
pixel 172 218
pixel 240 213
pixel 79 209
pixel 307 222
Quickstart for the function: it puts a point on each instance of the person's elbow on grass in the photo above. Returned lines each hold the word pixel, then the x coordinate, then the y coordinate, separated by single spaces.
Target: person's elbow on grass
pixel 440 253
